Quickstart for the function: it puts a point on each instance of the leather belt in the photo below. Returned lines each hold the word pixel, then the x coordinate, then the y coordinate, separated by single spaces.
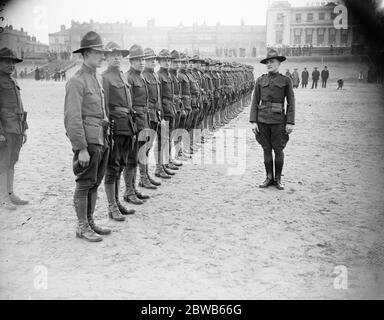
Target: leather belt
pixel 272 104
pixel 146 109
pixel 167 98
pixel 120 109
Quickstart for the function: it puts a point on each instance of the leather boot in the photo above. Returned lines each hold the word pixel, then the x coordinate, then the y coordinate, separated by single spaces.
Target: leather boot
pixel 174 161
pixel 269 181
pixel 278 170
pixel 123 210
pixel 113 210
pixel 92 197
pixel 144 181
pixel 83 230
pixel 5 202
pixel 140 195
pixel 160 173
pixel 130 195
pixel 153 181
pixel 171 166
pixel 167 171
pixel 14 198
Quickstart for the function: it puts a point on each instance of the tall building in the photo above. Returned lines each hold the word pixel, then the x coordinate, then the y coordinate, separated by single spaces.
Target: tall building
pixel 309 25
pixel 223 41
pixel 22 44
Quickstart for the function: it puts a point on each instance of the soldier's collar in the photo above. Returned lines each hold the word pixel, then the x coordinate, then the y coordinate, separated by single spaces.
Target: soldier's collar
pixel 88 69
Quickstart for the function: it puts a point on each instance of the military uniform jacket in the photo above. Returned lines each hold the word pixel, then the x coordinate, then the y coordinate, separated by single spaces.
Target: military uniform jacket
pixel 84 110
pixel 139 98
pixel 185 87
pixel 315 75
pixel 154 98
pixel 167 93
pixel 118 102
pixel 176 90
pixel 271 90
pixel 11 106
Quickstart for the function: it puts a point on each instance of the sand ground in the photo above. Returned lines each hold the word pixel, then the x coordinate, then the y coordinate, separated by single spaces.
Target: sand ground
pixel 207 233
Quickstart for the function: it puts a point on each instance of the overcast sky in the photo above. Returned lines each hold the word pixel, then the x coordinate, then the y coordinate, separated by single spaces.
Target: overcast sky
pixel 40 17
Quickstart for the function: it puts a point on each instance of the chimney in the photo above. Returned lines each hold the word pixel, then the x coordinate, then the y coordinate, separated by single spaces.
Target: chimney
pixel 21 29
pixel 34 39
pixel 62 27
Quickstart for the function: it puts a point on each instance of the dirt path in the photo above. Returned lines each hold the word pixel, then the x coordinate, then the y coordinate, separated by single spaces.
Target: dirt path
pixel 206 233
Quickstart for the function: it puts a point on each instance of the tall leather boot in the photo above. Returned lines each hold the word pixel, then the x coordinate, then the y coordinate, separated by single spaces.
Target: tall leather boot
pixel 167 171
pixel 123 210
pixel 83 230
pixel 130 195
pixel 269 181
pixel 92 197
pixel 153 181
pixel 144 181
pixel 113 210
pixel 160 173
pixel 5 202
pixel 14 198
pixel 278 169
pixel 139 195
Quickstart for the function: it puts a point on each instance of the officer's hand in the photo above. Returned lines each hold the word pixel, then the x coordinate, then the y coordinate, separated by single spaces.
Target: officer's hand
pixel 288 128
pixel 25 138
pixel 255 128
pixel 2 138
pixel 84 158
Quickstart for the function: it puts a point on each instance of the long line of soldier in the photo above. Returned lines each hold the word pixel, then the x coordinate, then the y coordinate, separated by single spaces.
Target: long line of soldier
pixel 113 119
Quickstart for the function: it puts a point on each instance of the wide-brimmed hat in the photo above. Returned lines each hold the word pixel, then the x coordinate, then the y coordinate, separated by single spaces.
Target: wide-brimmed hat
pixel 183 57
pixel 164 54
pixel 6 53
pixel 196 58
pixel 91 40
pixel 149 54
pixel 273 54
pixel 136 51
pixel 175 55
pixel 114 47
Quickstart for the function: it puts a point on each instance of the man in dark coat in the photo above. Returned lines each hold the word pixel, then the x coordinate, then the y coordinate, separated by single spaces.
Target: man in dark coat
pixel 324 77
pixel 304 78
pixel 315 78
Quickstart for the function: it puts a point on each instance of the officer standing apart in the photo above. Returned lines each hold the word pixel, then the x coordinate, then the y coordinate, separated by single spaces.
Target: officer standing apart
pixel 12 129
pixel 315 78
pixel 86 125
pixel 272 125
pixel 119 109
pixel 324 77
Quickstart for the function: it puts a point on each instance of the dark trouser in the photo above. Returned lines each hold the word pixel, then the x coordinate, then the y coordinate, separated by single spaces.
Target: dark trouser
pixel 272 137
pixel 304 84
pixel 9 154
pixel 170 128
pixel 314 84
pixel 118 158
pixel 324 83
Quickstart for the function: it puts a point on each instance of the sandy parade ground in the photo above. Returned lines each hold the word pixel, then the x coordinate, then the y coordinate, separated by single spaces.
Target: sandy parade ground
pixel 210 232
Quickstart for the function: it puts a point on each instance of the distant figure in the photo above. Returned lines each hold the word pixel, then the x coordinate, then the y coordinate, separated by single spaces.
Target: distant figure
pixel 56 76
pixel 361 76
pixel 340 84
pixel 295 78
pixel 288 74
pixel 63 75
pixel 331 49
pixel 304 78
pixel 46 74
pixel 324 77
pixel 37 74
pixel 315 78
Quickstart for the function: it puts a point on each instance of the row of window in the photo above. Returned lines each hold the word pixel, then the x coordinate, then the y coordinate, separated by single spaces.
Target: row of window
pixel 309 16
pixel 309 36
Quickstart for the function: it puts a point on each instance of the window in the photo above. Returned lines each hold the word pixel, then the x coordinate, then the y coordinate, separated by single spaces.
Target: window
pixel 279 37
pixel 332 35
pixel 308 36
pixel 321 16
pixel 320 35
pixel 280 17
pixel 310 17
pixel 297 36
pixel 344 36
pixel 298 17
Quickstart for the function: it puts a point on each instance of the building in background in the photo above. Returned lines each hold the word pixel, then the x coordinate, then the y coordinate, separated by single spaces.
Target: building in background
pixel 311 25
pixel 24 45
pixel 220 41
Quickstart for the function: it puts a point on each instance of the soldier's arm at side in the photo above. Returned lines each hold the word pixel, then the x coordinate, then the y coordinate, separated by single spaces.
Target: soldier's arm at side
pixel 255 102
pixel 106 94
pixel 73 120
pixel 290 96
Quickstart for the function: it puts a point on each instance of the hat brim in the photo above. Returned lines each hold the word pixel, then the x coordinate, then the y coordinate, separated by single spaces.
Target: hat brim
pixel 123 52
pixel 280 58
pixel 96 48
pixel 16 60
pixel 137 56
pixel 164 58
pixel 151 56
